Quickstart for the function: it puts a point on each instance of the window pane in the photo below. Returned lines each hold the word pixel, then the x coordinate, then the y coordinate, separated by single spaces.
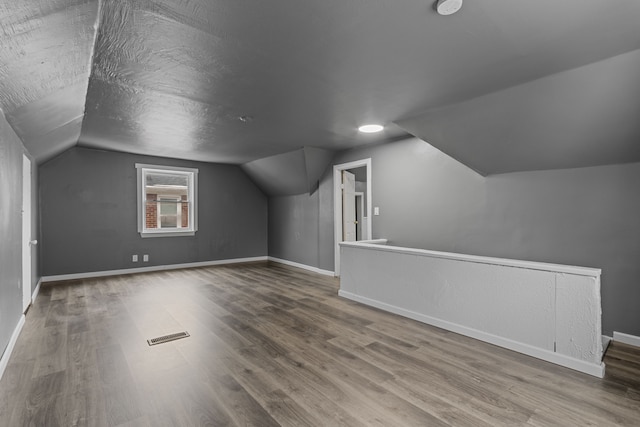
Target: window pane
pixel 169 192
pixel 169 213
pixel 166 179
pixel 169 221
pixel 168 208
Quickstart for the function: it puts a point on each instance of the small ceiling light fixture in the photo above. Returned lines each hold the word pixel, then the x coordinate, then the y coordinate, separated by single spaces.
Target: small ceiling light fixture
pixel 448 7
pixel 245 119
pixel 372 128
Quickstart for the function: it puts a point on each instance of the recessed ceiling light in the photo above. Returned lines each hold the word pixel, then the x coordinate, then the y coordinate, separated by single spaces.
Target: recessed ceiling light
pixel 448 7
pixel 372 128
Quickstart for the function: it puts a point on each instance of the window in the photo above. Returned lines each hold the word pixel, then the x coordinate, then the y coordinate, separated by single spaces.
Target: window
pixel 167 201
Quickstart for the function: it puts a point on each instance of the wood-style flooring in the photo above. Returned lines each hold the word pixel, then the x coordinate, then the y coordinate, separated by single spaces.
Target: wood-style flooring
pixel 273 345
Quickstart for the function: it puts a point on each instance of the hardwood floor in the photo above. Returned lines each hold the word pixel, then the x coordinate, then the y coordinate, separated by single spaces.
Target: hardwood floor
pixel 272 345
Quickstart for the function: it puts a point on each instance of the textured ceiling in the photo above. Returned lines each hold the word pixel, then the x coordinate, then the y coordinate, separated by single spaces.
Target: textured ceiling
pixel 45 57
pixel 174 77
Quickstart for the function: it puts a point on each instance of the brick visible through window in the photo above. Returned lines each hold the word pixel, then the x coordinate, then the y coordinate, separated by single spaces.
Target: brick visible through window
pixel 151 216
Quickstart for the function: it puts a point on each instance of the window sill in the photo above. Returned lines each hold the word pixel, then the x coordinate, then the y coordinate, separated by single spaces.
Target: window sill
pixel 146 234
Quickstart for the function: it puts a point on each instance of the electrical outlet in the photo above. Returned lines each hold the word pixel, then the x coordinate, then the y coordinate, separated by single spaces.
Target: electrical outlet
pixel 376 211
pixel 134 258
pixel 145 258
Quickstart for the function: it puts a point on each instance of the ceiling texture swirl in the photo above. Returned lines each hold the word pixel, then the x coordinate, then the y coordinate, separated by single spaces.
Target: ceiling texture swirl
pixel 501 86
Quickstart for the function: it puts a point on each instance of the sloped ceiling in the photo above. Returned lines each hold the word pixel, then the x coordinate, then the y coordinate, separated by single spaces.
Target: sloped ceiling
pixel 583 117
pixel 45 58
pixel 236 81
pixel 286 174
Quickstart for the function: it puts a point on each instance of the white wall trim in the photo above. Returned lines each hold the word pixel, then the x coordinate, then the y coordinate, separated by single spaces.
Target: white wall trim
pixel 303 266
pixel 149 269
pixel 372 241
pixel 105 273
pixel 531 265
pixel 4 361
pixel 559 359
pixel 626 339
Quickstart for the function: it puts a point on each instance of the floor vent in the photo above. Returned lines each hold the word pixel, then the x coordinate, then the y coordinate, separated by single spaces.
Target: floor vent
pixel 167 338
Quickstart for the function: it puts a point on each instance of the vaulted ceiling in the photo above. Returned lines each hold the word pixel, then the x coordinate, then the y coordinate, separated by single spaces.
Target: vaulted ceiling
pixel 501 86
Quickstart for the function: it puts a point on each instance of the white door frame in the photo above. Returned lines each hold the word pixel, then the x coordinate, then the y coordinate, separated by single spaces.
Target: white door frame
pixel 360 204
pixel 26 233
pixel 349 227
pixel 337 205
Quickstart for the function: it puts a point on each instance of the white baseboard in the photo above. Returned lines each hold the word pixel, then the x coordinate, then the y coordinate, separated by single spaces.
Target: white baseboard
pixel 626 339
pixel 595 369
pixel 148 269
pixel 36 291
pixel 303 266
pixel 4 360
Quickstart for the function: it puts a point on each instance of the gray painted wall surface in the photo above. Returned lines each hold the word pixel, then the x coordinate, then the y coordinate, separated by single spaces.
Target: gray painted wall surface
pixel 88 214
pixel 11 151
pixel 586 217
pixel 326 238
pixel 293 228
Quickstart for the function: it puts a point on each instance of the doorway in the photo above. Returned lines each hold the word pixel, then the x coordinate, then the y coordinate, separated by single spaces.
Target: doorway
pixel 26 233
pixel 338 210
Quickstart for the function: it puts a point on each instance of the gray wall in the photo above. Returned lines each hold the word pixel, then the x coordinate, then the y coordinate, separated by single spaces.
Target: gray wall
pixel 11 151
pixel 88 214
pixel 293 228
pixel 586 217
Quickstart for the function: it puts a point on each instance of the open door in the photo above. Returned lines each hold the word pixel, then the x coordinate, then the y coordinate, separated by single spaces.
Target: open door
pixel 348 206
pixel 345 228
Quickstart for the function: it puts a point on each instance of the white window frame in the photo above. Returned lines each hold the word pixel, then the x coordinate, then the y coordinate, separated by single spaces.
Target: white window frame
pixel 192 176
